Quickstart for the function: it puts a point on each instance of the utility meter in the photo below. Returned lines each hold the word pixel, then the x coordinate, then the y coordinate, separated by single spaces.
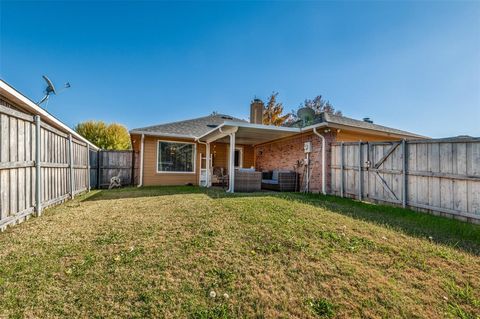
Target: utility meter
pixel 307 147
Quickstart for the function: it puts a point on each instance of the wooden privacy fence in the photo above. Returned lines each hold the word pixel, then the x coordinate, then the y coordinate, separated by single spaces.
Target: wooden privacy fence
pixel 442 176
pixel 39 165
pixel 106 164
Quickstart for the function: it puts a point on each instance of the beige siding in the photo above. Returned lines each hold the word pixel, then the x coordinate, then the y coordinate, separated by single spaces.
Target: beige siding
pixel 151 177
pixel 220 155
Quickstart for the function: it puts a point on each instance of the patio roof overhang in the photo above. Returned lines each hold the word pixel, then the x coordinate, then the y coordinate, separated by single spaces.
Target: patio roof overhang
pixel 247 133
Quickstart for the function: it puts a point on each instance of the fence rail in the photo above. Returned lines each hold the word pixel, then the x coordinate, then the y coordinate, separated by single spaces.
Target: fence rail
pixel 442 176
pixel 39 165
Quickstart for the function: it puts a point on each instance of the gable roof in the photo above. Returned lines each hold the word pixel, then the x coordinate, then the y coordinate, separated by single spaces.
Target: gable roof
pixel 189 128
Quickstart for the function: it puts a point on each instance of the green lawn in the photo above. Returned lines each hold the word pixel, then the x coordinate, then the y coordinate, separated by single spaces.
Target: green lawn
pixel 180 252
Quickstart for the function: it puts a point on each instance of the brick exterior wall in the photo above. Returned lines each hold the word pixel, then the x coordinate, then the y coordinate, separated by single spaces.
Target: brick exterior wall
pixel 284 154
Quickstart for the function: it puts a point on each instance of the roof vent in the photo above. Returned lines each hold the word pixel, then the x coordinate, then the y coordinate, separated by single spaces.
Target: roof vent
pixel 226 117
pixel 212 125
pixel 367 119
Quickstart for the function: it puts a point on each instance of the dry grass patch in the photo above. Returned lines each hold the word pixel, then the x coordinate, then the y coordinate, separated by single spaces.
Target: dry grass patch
pixel 187 252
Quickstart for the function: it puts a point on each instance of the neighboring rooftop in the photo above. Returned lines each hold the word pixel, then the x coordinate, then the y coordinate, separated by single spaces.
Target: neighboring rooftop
pixel 189 128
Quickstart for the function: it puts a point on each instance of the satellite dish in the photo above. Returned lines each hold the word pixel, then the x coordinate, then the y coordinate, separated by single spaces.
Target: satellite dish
pixel 50 89
pixel 306 114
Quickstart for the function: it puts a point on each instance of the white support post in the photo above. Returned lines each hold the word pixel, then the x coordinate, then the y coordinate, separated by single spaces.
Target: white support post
pixel 207 163
pixel 70 164
pixel 140 179
pixel 231 166
pixel 38 167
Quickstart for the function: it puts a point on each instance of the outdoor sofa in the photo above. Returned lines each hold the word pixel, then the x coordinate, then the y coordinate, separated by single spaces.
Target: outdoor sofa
pixel 282 181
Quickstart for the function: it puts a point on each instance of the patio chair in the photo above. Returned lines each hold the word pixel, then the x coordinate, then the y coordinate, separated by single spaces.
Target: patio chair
pixel 219 177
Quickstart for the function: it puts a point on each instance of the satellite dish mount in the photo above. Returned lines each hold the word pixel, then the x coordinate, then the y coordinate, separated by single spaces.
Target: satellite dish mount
pixel 50 89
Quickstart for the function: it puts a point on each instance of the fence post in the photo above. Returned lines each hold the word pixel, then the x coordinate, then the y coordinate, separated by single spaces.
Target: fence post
pixel 99 160
pixel 360 177
pixel 38 167
pixel 404 173
pixel 70 163
pixel 367 193
pixel 132 177
pixel 341 169
pixel 88 167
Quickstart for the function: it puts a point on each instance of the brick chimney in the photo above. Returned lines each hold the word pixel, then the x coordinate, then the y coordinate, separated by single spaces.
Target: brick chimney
pixel 256 111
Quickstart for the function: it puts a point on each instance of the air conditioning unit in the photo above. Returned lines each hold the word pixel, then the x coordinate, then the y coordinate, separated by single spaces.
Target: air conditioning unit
pixel 307 147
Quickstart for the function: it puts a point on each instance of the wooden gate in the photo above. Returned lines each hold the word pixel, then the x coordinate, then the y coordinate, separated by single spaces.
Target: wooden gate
pixel 385 169
pixel 442 176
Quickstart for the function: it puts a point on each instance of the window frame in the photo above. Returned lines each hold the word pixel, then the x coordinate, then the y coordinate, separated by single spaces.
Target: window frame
pixel 177 172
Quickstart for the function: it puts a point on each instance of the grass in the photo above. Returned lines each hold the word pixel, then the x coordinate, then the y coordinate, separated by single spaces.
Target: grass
pixel 189 252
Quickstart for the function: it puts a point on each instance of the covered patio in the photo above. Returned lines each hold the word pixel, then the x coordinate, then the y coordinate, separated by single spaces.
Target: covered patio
pixel 232 134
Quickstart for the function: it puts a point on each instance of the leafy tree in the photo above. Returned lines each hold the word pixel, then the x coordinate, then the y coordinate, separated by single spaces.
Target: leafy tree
pixel 320 105
pixel 109 137
pixel 272 113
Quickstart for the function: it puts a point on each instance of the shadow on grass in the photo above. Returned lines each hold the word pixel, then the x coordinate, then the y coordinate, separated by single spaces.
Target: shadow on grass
pixel 442 230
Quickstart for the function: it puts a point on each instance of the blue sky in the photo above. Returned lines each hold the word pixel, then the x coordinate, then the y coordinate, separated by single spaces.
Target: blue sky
pixel 409 65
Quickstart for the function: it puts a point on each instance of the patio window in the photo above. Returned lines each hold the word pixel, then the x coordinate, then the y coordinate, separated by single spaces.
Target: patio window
pixel 176 157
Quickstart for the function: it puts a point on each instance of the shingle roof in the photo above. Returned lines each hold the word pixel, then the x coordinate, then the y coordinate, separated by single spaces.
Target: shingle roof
pixel 343 120
pixel 199 126
pixel 329 118
pixel 193 127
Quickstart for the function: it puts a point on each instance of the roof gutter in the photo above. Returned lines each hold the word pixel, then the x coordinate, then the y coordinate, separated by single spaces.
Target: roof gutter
pixel 162 134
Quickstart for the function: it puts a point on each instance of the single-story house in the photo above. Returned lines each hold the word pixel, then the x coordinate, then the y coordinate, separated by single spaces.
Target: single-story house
pixel 196 151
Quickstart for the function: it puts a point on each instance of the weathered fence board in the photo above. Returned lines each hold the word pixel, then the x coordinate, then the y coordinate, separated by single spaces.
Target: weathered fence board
pixel 21 162
pixel 441 176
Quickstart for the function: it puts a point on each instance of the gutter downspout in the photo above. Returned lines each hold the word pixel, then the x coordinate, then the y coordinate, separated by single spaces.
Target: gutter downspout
pixel 140 180
pixel 324 179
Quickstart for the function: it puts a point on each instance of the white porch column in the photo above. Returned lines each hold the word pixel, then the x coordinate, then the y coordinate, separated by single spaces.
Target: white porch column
pixel 231 164
pixel 207 163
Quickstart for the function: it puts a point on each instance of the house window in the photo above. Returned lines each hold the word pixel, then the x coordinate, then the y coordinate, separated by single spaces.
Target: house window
pixel 176 157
